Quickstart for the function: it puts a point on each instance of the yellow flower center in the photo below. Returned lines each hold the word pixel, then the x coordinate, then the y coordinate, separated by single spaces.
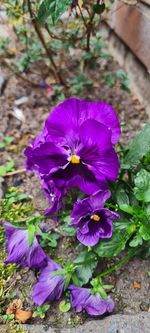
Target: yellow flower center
pixel 75 159
pixel 96 218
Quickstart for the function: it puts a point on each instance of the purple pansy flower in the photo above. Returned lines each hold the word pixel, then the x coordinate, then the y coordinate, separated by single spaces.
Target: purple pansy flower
pixel 82 299
pixel 92 220
pixel 54 196
pixel 49 287
pixel 76 149
pixel 19 251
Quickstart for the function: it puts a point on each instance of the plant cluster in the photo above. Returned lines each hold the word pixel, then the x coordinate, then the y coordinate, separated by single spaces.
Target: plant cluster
pixel 103 209
pixel 34 24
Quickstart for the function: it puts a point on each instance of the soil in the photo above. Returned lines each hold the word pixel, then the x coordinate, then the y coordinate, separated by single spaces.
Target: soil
pixel 131 283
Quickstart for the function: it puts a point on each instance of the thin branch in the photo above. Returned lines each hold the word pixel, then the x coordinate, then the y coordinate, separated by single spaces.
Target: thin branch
pixel 22 77
pixel 43 42
pixel 82 16
pixel 90 28
pixel 16 172
pixel 54 36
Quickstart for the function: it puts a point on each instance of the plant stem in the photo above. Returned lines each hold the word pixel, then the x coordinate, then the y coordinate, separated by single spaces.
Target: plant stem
pixel 82 16
pixel 113 268
pixel 90 28
pixel 16 172
pixel 43 42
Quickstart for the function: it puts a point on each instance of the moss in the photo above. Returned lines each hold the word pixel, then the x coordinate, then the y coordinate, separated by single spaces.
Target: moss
pixel 6 273
pixel 15 328
pixel 16 206
pixel 75 321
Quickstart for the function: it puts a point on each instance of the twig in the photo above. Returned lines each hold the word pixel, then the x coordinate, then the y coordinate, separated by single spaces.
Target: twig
pixel 12 173
pixel 89 28
pixel 43 42
pixel 5 62
pixel 54 36
pixel 82 16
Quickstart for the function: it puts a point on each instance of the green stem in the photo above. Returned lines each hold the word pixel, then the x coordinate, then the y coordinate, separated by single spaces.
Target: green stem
pixel 130 254
pixel 43 216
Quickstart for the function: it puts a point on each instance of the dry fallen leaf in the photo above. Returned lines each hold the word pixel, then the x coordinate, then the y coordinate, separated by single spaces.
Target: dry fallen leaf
pixel 22 315
pixel 15 308
pixel 136 285
pixel 17 303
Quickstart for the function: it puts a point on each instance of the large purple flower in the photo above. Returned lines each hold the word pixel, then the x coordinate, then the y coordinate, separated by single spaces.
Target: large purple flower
pixel 82 299
pixel 19 251
pixel 92 220
pixel 49 287
pixel 76 147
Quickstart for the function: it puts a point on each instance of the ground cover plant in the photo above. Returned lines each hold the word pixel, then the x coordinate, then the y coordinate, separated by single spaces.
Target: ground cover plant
pixel 98 187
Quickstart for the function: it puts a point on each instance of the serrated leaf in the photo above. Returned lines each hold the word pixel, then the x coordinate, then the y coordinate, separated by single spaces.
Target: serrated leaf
pixel 127 209
pixel 84 272
pixel 122 197
pixel 113 246
pixel 136 241
pixel 144 231
pixel 138 148
pixel 142 186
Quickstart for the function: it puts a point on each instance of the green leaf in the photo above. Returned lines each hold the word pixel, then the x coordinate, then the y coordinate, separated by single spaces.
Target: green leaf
pixel 8 139
pixel 127 209
pixel 99 9
pixel 144 231
pixel 142 186
pixel 9 166
pixel 136 241
pixel 53 8
pixel 49 239
pixel 31 233
pixel 138 148
pixel 121 224
pixel 83 273
pixel 122 197
pixel 113 246
pixel 64 306
pixel 2 145
pixel 2 170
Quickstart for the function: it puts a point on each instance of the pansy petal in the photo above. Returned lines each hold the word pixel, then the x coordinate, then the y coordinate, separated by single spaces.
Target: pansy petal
pixel 19 251
pixel 48 157
pixel 48 290
pixel 106 229
pixel 97 150
pixel 78 297
pixel 98 199
pixel 75 112
pixel 96 306
pixel 88 239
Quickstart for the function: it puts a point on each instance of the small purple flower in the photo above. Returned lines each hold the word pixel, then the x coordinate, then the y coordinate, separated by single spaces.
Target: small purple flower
pixel 75 148
pixel 93 222
pixel 54 196
pixel 19 251
pixel 82 299
pixel 49 287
